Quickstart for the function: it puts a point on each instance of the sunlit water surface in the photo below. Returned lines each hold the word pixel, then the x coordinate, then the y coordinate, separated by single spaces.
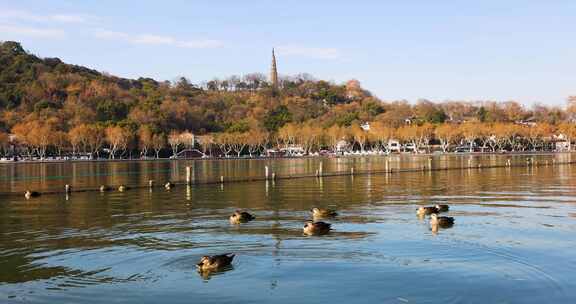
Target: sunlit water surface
pixel 513 241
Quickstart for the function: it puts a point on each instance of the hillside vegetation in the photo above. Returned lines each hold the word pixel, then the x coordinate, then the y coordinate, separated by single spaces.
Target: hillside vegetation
pixel 54 107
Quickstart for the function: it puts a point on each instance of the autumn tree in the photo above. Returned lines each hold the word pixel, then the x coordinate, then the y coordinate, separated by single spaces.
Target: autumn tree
pixel 158 143
pixel 117 138
pixel 470 132
pixel 187 139
pixel 21 132
pixel 381 134
pixel 36 135
pixel 224 142
pixel 447 134
pixel 256 140
pixel 499 133
pixel 76 137
pixel 174 140
pixel 88 138
pixel 537 135
pixel 238 141
pixel 310 137
pixel 569 131
pixel 335 134
pixel 60 141
pixel 287 134
pixel 4 142
pixel 418 136
pixel 359 135
pixel 145 137
pixel 206 143
pixel 95 138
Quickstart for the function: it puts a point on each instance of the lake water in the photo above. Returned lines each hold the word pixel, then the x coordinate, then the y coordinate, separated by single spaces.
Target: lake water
pixel 513 242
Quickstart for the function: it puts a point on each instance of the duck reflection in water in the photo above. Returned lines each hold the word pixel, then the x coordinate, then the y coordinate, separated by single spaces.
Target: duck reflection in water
pixel 207 274
pixel 320 213
pixel 316 228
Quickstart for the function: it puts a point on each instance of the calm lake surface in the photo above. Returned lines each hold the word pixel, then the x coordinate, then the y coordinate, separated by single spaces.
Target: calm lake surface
pixel 514 240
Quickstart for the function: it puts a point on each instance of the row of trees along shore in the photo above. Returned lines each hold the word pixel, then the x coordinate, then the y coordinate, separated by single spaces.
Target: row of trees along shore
pixel 89 139
pixel 54 108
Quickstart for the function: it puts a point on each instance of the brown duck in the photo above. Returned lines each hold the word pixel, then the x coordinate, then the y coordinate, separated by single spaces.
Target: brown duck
pixel 442 207
pixel 426 210
pixel 241 217
pixel 29 194
pixel 215 262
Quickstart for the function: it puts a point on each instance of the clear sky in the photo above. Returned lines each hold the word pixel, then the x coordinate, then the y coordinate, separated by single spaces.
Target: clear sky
pixel 520 50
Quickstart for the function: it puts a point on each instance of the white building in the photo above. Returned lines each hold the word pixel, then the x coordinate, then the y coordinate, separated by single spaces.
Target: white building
pixel 562 143
pixel 365 126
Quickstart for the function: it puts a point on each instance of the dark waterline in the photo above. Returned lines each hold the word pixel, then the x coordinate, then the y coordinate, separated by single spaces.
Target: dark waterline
pixel 513 241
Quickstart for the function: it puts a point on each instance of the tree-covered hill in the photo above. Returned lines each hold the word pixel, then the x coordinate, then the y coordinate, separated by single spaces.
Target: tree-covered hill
pixel 49 104
pixel 49 89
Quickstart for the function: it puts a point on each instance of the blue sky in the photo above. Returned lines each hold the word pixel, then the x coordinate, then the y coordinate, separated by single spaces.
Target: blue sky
pixel 459 50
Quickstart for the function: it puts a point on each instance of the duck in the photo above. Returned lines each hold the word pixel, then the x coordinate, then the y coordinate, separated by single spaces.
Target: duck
pixel 168 185
pixel 215 262
pixel 29 194
pixel 123 188
pixel 323 212
pixel 104 188
pixel 241 217
pixel 442 221
pixel 316 228
pixel 442 207
pixel 426 210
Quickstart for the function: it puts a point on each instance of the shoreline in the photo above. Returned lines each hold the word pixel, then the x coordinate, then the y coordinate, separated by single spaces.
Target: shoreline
pixel 281 157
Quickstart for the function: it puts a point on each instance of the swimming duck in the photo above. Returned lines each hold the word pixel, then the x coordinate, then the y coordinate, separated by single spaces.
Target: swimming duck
pixel 316 228
pixel 168 185
pixel 442 221
pixel 29 194
pixel 442 207
pixel 123 188
pixel 215 262
pixel 322 212
pixel 426 210
pixel 104 188
pixel 241 217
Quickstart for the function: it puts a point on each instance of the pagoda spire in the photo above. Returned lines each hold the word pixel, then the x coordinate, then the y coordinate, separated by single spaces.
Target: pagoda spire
pixel 274 72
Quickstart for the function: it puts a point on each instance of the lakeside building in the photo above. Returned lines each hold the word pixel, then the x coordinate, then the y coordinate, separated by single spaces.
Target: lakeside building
pixel 561 143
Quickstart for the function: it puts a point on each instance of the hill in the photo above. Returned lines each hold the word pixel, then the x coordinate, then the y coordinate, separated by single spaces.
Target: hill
pixel 49 104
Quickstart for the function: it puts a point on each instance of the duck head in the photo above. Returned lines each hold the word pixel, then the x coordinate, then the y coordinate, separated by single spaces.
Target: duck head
pixel 203 261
